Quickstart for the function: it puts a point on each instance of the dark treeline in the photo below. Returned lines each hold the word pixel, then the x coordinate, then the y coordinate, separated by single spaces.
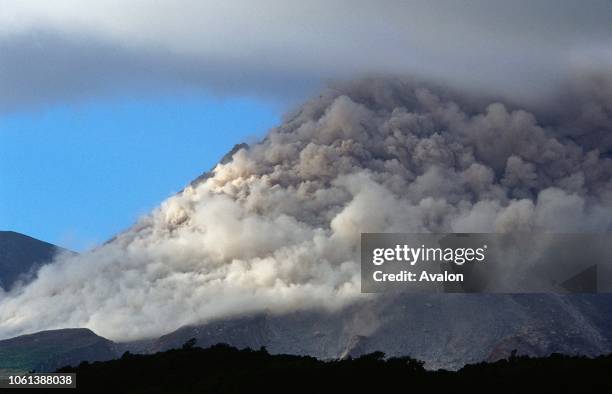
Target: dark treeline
pixel 223 369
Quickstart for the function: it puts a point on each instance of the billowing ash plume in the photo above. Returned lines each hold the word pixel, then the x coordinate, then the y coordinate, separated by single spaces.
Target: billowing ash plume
pixel 277 227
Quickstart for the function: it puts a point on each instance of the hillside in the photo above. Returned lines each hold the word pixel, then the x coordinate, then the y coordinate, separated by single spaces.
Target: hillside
pixel 20 255
pixel 444 330
pixel 48 350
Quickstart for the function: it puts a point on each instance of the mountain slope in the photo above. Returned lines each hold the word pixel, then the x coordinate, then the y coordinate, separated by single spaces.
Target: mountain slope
pixel 20 255
pixel 49 350
pixel 445 331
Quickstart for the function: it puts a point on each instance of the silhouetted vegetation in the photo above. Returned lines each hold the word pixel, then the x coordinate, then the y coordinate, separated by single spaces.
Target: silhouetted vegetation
pixel 223 369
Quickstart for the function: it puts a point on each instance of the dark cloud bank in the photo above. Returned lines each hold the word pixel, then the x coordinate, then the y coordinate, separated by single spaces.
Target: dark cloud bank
pixel 45 67
pixel 74 50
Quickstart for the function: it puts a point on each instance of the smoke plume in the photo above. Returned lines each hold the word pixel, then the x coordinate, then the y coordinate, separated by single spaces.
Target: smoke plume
pixel 277 226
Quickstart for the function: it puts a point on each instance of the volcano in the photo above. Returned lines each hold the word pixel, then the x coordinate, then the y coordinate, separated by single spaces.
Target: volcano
pixel 263 250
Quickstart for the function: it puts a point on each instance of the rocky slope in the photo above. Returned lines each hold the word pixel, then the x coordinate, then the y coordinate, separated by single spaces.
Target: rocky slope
pixel 444 330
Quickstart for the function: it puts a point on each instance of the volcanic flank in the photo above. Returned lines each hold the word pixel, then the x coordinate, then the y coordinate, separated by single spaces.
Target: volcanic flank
pixel 275 229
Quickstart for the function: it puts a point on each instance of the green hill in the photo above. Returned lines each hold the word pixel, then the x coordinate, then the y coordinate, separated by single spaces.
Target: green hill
pixel 49 350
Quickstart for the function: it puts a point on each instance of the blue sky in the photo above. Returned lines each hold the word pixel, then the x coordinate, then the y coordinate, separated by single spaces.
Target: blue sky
pixel 76 174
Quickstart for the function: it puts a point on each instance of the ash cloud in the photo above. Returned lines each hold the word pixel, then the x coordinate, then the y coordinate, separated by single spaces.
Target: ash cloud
pixel 276 228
